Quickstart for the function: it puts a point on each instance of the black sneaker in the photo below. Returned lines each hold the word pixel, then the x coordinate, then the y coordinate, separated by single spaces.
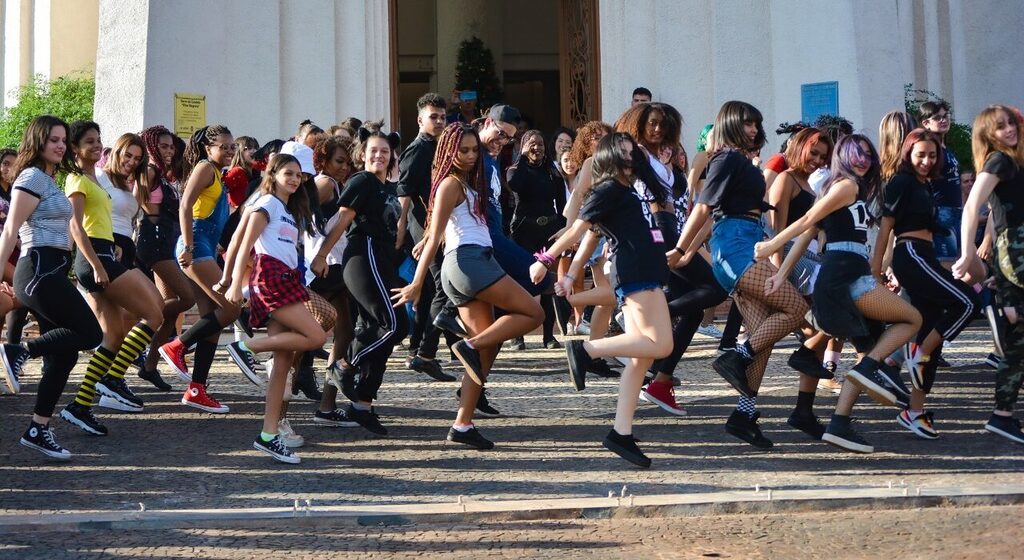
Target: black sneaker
pixel 321 354
pixel 745 427
pixel 625 447
pixel 483 407
pixel 82 416
pixel 242 322
pixel 992 360
pixel 844 437
pixel 876 385
pixel 450 323
pixel 806 362
pixel 891 373
pixel 470 359
pixel 470 437
pixel 306 383
pixel 115 394
pixel 732 366
pixel 14 357
pixel 247 363
pixel 367 419
pixel 429 367
pixel 552 344
pixel 336 418
pixel 518 344
pixel 601 368
pixel 40 438
pixel 154 378
pixel 831 367
pixel 579 363
pixel 1006 426
pixel 276 449
pixel 806 423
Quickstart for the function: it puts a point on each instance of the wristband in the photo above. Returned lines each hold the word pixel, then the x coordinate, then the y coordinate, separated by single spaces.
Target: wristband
pixel 544 258
pixel 188 249
pixel 569 276
pixel 680 251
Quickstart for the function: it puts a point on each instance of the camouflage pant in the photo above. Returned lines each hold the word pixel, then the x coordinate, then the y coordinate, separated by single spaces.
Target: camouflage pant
pixel 1010 373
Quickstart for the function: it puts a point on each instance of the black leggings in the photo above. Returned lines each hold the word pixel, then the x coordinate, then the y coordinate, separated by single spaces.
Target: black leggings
pixel 694 289
pixel 947 305
pixel 370 277
pixel 66 324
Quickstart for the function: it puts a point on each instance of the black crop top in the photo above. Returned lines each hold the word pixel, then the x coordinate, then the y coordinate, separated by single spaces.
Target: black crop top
pixel 734 186
pixel 847 224
pixel 910 202
pixel 798 206
pixel 1007 198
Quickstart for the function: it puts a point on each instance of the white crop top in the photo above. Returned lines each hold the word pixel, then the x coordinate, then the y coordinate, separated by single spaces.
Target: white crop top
pixel 464 227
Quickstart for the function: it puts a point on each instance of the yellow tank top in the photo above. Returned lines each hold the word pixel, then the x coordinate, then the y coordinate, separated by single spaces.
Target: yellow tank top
pixel 208 198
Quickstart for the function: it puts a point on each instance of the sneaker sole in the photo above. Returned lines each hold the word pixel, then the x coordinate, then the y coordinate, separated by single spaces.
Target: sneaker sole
pixel 677 411
pixel 624 454
pixel 9 378
pixel 846 444
pixel 113 403
pixel 184 375
pixel 1003 433
pixel 474 375
pixel 742 436
pixel 829 388
pixel 291 460
pixel 253 376
pixel 334 424
pixel 916 431
pixel 880 394
pixel 70 419
pixel 487 414
pixel 449 439
pixel 66 456
pixel 293 444
pixel 210 409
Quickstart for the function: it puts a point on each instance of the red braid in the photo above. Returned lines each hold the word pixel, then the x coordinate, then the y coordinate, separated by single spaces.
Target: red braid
pixel 444 160
pixel 151 137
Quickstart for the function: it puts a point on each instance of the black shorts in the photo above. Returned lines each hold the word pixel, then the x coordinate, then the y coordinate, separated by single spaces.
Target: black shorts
pixel 106 251
pixel 331 284
pixel 126 250
pixel 156 242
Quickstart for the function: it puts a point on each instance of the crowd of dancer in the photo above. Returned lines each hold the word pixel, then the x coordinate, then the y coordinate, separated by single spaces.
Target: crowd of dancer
pixel 481 232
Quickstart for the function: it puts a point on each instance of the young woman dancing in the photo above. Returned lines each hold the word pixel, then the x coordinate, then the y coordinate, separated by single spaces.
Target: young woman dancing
pixel 470 275
pixel 734 193
pixel 848 301
pixel 39 215
pixel 637 251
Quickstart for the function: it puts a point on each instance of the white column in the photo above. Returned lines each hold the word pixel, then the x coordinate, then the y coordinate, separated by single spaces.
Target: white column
pixel 121 72
pixel 41 38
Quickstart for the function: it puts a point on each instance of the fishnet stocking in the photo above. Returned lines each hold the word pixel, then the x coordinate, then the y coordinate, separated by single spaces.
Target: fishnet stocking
pixel 321 310
pixel 883 305
pixel 767 318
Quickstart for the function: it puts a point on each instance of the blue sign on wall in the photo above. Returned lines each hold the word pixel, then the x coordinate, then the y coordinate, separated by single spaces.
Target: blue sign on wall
pixel 818 99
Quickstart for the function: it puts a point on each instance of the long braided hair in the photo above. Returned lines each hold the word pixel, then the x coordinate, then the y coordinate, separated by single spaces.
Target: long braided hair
pixel 151 138
pixel 444 161
pixel 195 151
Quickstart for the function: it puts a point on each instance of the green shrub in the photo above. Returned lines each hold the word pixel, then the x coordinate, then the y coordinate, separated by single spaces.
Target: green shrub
pixel 70 98
pixel 958 139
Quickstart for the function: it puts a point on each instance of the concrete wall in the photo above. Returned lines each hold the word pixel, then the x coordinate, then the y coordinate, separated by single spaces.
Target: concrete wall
pixel 263 67
pixel 696 54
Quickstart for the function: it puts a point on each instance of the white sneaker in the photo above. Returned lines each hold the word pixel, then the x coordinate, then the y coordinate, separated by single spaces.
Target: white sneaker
pixel 710 330
pixel 288 436
pixel 621 320
pixel 570 329
pixel 583 328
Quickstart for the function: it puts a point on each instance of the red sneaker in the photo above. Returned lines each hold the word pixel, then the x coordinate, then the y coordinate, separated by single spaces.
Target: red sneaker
pixel 196 397
pixel 663 395
pixel 174 354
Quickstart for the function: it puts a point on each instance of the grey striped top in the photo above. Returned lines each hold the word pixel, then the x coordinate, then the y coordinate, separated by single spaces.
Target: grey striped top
pixel 47 226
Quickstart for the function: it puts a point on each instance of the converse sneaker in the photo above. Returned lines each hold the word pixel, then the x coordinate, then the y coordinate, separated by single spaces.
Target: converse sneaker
pixel 992 360
pixel 276 449
pixel 82 416
pixel 367 419
pixel 40 438
pixel 197 397
pixel 288 436
pixel 663 395
pixel 470 437
pixel 922 424
pixel 583 329
pixel 874 384
pixel 625 446
pixel 14 357
pixel 174 354
pixel 844 437
pixel 115 394
pixel 307 383
pixel 336 417
pixel 710 330
pixel 1006 426
pixel 247 363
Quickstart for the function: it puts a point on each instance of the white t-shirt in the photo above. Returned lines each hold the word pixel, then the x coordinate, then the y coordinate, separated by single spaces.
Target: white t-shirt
pixel 123 205
pixel 280 237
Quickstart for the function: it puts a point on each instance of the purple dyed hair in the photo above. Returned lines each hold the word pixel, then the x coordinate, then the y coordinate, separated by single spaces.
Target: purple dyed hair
pixel 850 153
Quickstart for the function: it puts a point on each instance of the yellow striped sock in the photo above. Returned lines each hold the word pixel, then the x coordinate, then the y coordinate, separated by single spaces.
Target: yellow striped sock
pixel 97 368
pixel 134 343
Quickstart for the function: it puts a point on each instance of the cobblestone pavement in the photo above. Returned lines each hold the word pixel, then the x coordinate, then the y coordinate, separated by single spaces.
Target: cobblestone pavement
pixel 548 443
pixel 933 534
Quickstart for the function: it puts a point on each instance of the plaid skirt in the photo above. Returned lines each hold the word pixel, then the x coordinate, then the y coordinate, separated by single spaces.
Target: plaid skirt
pixel 272 286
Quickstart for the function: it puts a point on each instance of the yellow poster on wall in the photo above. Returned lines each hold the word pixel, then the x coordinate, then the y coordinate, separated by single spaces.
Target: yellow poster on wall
pixel 189 113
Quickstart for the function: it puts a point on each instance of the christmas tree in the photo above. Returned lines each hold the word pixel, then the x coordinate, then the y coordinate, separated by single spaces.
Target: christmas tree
pixel 474 71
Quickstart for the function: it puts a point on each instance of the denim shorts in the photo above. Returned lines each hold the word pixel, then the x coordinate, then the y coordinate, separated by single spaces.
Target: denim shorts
pixel 805 272
pixel 624 290
pixel 204 242
pixel 861 286
pixel 467 271
pixel 732 249
pixel 598 252
pixel 946 238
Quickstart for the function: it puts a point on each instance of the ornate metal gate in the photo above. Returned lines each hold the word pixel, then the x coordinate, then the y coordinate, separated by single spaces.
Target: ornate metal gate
pixel 579 66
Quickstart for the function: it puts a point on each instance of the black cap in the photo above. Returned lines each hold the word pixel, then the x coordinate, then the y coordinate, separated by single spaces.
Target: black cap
pixel 504 113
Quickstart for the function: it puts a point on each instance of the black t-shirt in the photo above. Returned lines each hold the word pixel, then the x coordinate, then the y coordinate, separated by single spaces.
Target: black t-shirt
pixel 1007 198
pixel 910 202
pixel 540 189
pixel 733 186
pixel 367 195
pixel 799 205
pixel 414 174
pixel 946 189
pixel 617 211
pixel 847 224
